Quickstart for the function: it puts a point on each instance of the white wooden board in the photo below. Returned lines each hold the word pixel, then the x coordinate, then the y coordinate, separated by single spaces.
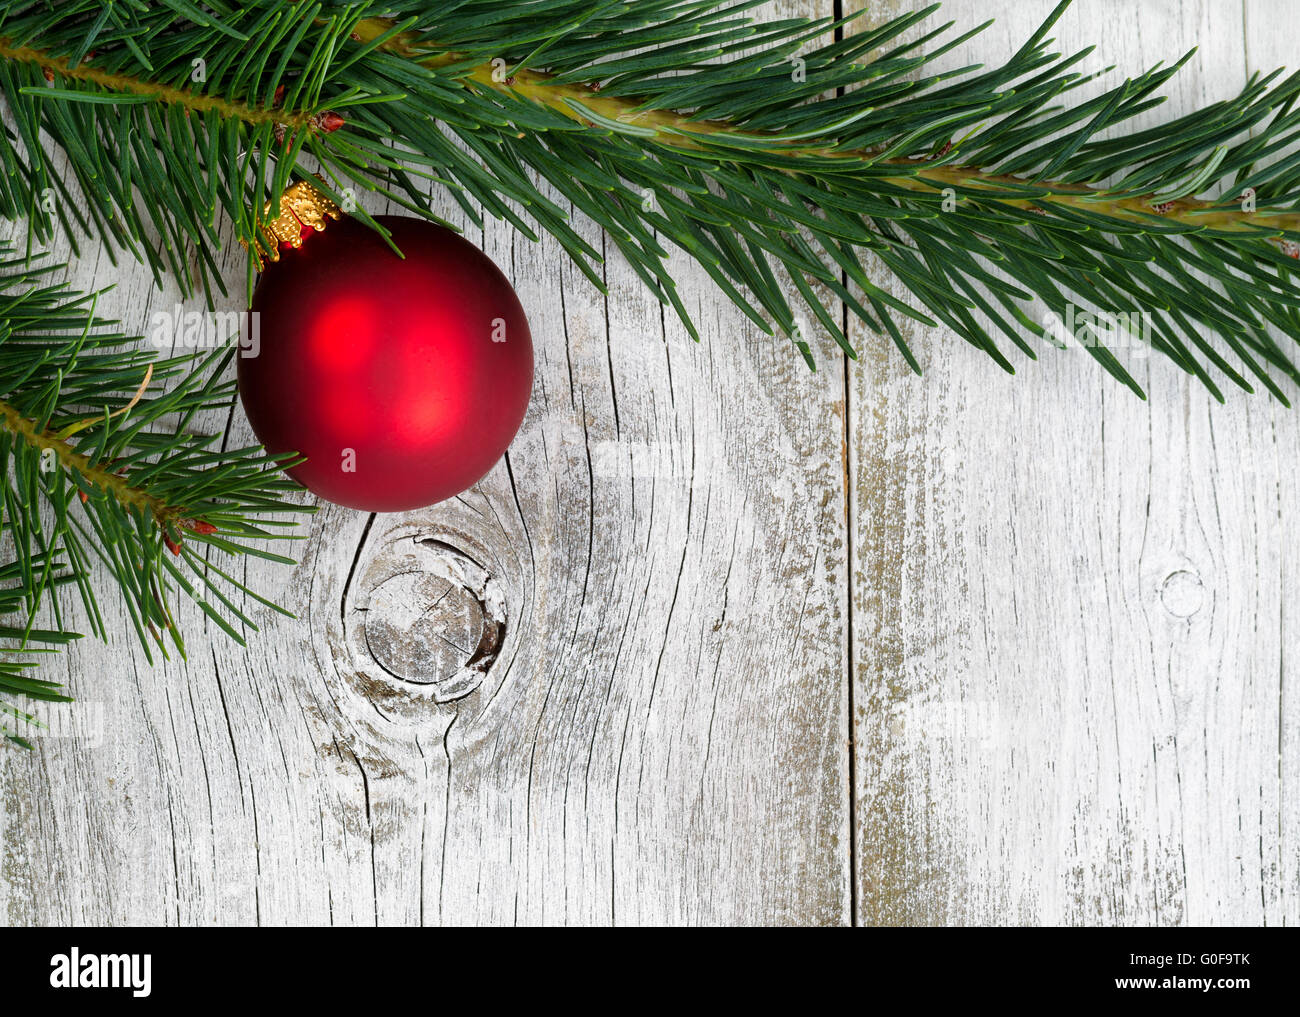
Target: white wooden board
pixel 1072 642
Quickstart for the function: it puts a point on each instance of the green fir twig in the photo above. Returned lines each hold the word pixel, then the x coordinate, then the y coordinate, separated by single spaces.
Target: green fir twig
pixel 99 467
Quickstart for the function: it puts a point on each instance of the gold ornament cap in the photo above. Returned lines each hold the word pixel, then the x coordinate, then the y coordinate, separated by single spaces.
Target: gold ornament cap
pixel 302 207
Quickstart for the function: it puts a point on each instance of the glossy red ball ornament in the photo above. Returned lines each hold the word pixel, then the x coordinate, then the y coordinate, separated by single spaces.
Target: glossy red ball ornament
pixel 401 379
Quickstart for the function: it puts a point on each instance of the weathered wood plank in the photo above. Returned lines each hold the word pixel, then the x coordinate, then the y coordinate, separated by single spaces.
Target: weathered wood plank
pixel 1071 630
pixel 663 736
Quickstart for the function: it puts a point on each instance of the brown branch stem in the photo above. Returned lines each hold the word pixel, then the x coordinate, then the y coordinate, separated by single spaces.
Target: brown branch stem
pixel 195 101
pixel 117 486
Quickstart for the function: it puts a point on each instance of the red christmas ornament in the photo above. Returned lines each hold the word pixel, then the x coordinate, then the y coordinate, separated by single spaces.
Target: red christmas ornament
pixel 401 379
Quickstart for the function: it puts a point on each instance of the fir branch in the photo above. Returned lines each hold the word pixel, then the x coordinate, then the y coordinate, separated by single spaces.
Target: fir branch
pixel 95 475
pixel 583 102
pixel 984 191
pixel 98 464
pixel 53 67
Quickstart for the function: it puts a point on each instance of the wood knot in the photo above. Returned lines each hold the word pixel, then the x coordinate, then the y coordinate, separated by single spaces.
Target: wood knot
pixel 1182 593
pixel 428 615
